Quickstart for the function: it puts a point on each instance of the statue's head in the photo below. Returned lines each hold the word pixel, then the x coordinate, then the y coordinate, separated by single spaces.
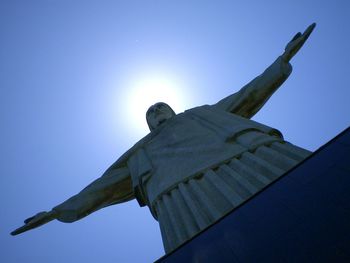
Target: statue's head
pixel 158 114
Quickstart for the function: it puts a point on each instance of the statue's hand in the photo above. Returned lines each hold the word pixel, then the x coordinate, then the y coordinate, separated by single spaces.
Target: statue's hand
pixel 296 43
pixel 36 221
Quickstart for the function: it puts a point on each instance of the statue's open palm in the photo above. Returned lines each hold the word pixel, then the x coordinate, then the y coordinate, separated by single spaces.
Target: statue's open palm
pixel 296 43
pixel 35 221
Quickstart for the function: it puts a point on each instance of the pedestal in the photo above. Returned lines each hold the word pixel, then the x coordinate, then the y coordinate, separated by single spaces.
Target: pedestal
pixel 304 216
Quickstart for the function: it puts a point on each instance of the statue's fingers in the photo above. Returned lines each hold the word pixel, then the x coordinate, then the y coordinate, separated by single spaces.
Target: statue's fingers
pixel 296 36
pixel 309 30
pixel 38 216
pixel 35 221
pixel 28 220
pixel 21 230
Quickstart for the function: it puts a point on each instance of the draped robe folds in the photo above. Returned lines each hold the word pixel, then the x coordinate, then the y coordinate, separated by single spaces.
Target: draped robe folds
pixel 197 166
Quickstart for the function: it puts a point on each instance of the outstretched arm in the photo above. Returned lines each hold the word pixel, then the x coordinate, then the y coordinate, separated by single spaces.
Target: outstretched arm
pixel 113 187
pixel 249 100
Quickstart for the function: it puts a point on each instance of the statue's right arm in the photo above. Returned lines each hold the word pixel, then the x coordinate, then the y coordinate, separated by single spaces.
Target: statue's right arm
pixel 113 187
pixel 249 99
pixel 252 97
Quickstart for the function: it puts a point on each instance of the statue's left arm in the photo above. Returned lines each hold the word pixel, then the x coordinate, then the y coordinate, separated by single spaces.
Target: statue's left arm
pixel 113 187
pixel 249 100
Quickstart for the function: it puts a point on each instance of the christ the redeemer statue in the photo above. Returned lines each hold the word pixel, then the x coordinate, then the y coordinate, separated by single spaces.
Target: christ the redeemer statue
pixel 196 166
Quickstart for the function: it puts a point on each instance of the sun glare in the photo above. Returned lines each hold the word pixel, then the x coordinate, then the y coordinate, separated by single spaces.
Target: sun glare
pixel 147 91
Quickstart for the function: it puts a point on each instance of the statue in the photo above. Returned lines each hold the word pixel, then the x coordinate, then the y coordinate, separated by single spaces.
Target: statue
pixel 196 166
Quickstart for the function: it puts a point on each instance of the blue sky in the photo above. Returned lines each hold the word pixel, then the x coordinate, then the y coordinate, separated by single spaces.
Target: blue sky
pixel 67 69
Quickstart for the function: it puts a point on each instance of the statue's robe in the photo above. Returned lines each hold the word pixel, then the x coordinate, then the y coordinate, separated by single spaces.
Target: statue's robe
pixel 197 166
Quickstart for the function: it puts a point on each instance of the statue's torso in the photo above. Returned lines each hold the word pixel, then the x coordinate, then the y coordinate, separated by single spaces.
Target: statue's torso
pixel 188 144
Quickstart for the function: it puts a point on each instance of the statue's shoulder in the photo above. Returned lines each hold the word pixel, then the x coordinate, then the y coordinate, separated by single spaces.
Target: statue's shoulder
pixel 123 159
pixel 206 111
pixel 204 107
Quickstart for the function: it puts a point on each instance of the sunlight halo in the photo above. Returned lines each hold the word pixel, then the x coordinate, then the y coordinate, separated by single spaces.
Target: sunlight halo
pixel 148 90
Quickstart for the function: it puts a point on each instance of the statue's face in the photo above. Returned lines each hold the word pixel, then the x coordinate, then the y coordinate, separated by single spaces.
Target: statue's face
pixel 158 114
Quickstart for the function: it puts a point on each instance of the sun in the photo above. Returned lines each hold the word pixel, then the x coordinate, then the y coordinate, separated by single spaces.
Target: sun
pixel 147 91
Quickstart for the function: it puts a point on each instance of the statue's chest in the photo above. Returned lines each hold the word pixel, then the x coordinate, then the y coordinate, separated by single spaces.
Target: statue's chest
pixel 182 149
pixel 187 145
pixel 183 132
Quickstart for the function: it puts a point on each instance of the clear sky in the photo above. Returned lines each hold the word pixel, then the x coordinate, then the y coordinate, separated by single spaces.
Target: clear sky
pixel 69 72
